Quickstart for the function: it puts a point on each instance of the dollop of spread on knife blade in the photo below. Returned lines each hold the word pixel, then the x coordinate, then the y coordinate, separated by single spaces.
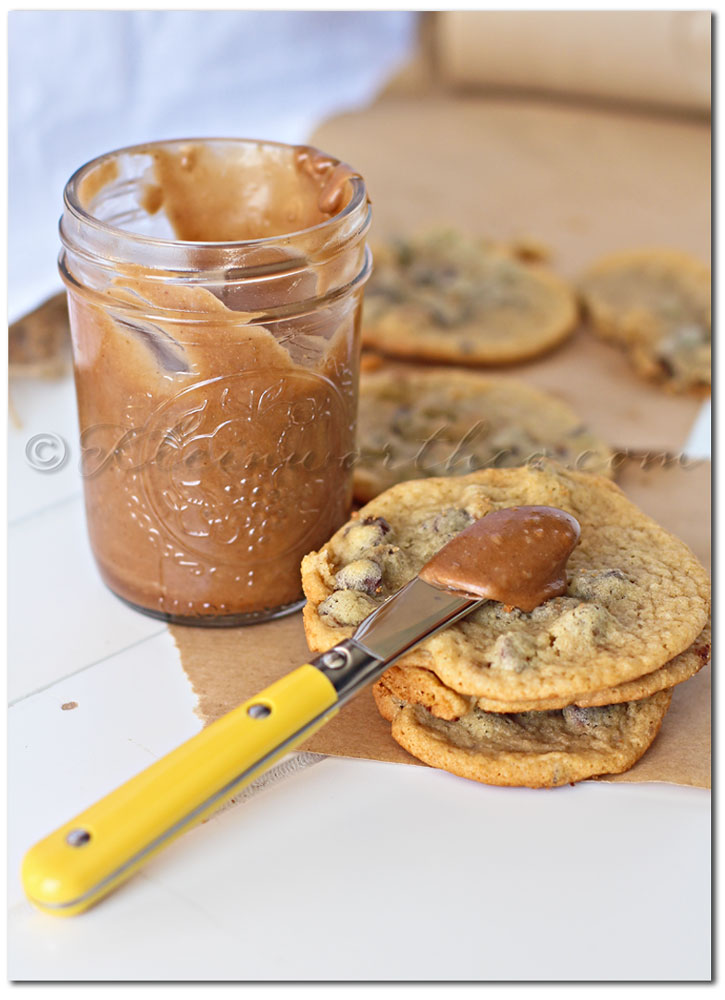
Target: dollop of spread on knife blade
pixel 516 555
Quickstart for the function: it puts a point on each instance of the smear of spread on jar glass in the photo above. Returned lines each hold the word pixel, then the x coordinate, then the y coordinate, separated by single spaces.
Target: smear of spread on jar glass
pixel 244 194
pixel 217 406
pixel 516 555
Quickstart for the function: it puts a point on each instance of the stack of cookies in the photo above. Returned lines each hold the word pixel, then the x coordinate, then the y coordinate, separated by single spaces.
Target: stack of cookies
pixel 579 686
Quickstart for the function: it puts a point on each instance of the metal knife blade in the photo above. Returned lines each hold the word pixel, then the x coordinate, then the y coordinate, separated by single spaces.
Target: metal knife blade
pixel 412 614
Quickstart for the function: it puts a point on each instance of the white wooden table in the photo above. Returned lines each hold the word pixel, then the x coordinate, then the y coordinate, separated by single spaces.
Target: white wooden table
pixel 345 870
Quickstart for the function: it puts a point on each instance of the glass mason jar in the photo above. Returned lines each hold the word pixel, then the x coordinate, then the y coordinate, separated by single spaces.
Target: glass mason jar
pixel 215 291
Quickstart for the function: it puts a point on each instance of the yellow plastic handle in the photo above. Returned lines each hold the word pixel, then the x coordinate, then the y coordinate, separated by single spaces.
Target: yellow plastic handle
pixel 91 855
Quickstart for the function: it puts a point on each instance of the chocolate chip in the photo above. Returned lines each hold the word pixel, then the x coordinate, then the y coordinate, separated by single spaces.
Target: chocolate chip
pixel 605 585
pixel 380 521
pixel 346 608
pixel 448 522
pixel 585 719
pixel 360 537
pixel 513 652
pixel 424 276
pixel 404 253
pixel 362 574
pixel 447 315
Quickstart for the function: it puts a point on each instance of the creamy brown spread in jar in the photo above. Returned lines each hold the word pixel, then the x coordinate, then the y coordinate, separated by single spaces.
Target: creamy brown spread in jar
pixel 215 289
pixel 515 555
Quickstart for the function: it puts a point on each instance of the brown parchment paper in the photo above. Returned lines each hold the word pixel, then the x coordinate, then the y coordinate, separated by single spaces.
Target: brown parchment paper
pixel 229 665
pixel 586 181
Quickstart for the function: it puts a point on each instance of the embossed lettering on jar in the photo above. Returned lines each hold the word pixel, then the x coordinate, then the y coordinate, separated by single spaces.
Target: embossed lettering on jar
pixel 215 291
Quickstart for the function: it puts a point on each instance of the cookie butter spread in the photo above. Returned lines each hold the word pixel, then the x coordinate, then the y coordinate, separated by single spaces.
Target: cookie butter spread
pixel 216 367
pixel 516 555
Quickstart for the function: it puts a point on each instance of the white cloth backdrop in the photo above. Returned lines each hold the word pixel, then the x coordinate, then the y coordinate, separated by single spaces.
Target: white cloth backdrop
pixel 85 82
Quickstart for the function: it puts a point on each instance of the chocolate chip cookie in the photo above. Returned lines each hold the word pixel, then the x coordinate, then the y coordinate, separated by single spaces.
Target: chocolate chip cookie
pixel 656 305
pixel 443 296
pixel 414 684
pixel 636 596
pixel 414 423
pixel 533 749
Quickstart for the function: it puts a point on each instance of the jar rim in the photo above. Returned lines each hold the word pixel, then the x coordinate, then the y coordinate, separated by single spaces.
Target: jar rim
pixel 72 203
